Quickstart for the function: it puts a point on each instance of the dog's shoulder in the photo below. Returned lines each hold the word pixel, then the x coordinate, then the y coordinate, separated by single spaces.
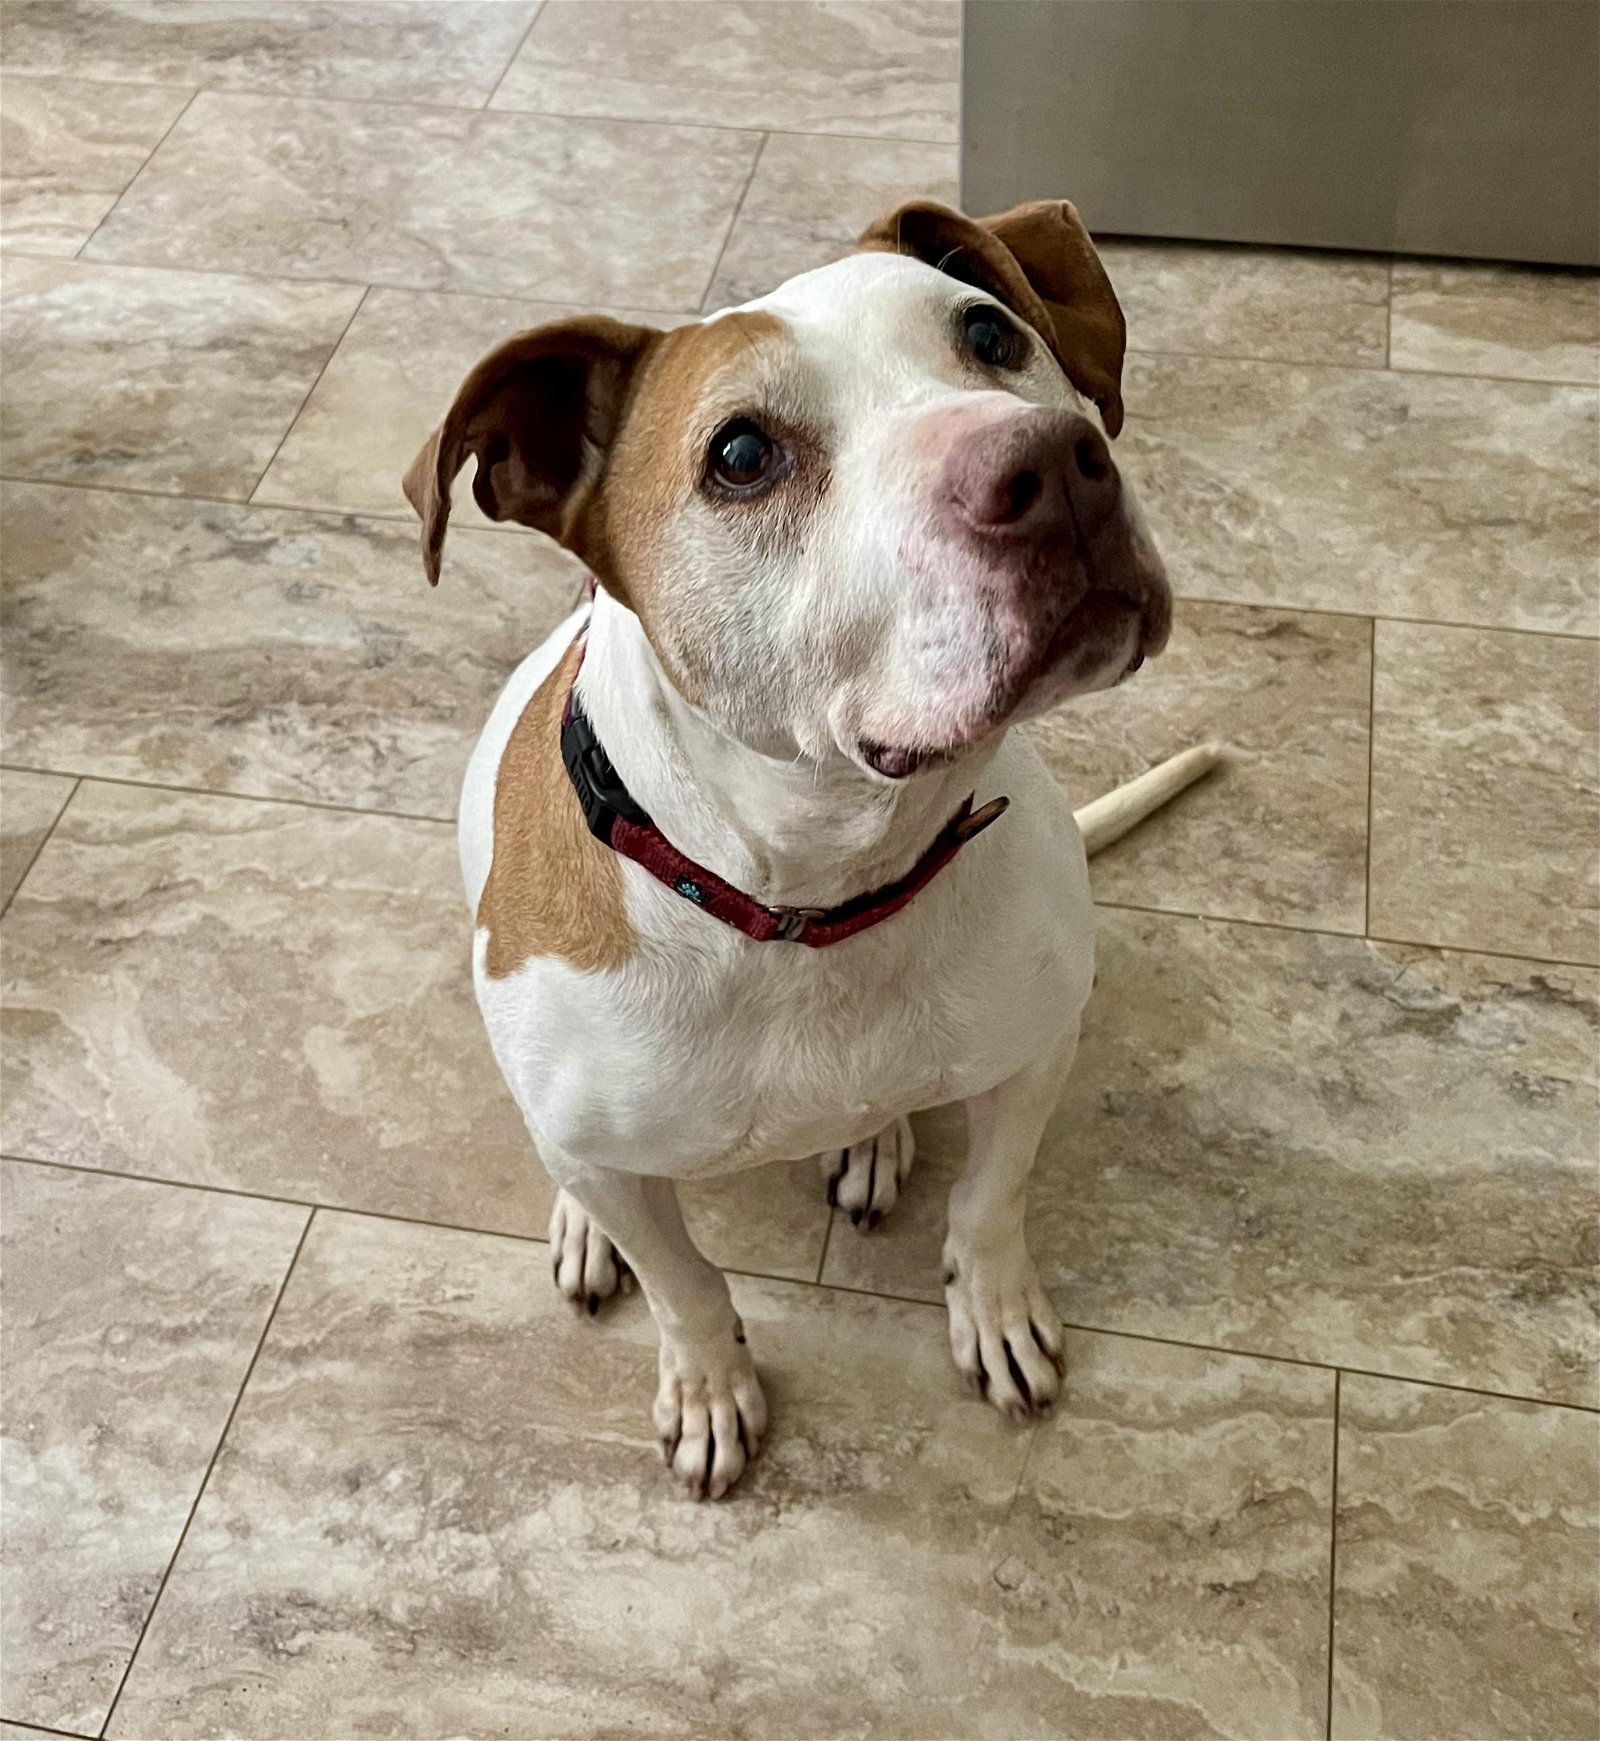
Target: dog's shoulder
pixel 552 889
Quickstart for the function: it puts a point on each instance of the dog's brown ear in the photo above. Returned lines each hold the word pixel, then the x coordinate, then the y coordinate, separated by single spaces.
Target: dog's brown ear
pixel 1038 260
pixel 537 414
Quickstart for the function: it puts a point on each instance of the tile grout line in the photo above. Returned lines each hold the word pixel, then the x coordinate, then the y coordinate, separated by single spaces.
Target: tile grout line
pixel 950 145
pixel 44 1728
pixel 1344 936
pixel 733 223
pixel 1372 740
pixel 306 1203
pixel 516 54
pixel 327 363
pixel 55 821
pixel 222 1439
pixel 406 289
pixel 1333 1545
pixel 1369 369
pixel 399 516
pixel 381 516
pixel 1036 1425
pixel 128 186
pixel 44 75
pixel 238 797
pixel 1194 598
pixel 475 107
pixel 535 1239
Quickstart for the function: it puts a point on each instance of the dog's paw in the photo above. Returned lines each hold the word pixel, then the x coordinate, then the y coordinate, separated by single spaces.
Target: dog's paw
pixel 709 1411
pixel 587 1267
pixel 1004 1333
pixel 866 1179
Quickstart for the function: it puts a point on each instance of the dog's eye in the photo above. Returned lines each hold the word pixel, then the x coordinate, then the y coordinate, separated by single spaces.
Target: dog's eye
pixel 741 455
pixel 991 337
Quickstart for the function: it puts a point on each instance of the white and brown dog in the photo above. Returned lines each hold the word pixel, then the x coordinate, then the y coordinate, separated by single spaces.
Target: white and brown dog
pixel 715 835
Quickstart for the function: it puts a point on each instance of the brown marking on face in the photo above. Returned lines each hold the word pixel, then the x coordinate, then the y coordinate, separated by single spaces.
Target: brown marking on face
pixel 593 432
pixel 553 889
pixel 680 395
pixel 1039 260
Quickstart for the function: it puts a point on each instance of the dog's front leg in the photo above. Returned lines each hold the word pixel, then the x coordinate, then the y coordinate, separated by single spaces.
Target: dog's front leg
pixel 709 1409
pixel 1004 1332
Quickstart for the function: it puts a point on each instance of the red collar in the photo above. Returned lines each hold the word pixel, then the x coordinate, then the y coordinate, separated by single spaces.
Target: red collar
pixel 617 821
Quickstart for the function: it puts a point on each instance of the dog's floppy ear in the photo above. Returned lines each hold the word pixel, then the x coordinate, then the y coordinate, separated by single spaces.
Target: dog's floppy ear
pixel 1039 261
pixel 537 414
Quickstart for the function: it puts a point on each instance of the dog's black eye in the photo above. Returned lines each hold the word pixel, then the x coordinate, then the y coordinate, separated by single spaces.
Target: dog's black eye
pixel 991 337
pixel 741 455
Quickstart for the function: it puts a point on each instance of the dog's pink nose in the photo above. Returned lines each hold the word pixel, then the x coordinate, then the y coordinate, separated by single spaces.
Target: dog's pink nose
pixel 1044 477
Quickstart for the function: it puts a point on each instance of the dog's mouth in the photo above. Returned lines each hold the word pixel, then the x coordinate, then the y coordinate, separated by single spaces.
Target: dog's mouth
pixel 900 761
pixel 1079 653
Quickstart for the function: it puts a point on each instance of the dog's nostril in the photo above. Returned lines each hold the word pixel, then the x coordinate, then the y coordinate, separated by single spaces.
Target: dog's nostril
pixel 1090 456
pixel 1020 493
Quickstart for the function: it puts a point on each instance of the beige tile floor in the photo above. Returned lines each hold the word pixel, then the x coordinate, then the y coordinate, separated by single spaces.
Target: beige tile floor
pixel 299 1441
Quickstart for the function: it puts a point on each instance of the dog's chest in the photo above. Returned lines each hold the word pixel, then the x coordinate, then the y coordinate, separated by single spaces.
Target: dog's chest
pixel 709 1054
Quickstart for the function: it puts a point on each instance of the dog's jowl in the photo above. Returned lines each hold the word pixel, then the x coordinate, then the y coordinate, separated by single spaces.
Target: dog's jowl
pixel 756 864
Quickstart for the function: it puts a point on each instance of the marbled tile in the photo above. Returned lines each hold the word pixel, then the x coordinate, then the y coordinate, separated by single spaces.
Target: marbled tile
pixel 1538 325
pixel 449 52
pixel 262 996
pixel 389 384
pixel 1484 791
pixel 1311 1146
pixel 1361 490
pixel 36 218
pixel 436 199
pixel 279 999
pixel 1278 832
pixel 771 1221
pixel 811 197
pixel 131 1314
pixel 176 381
pixel 29 806
pixel 67 150
pixel 1467 1537
pixel 259 650
pixel 1274 303
pixel 883 67
pixel 457 1523
pixel 1164 1570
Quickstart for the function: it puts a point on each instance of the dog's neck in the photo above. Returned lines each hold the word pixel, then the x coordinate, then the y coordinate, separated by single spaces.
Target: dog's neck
pixel 798 833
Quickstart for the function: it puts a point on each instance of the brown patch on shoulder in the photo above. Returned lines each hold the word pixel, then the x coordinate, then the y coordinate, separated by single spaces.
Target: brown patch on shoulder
pixel 656 459
pixel 553 889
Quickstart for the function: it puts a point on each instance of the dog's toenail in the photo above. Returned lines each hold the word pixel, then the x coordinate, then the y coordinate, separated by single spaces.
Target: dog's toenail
pixel 855 1217
pixel 594 1304
pixel 1019 1380
pixel 873 1219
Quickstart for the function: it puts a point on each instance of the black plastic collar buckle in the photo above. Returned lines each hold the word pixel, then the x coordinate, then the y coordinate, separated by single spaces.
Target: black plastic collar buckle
pixel 600 790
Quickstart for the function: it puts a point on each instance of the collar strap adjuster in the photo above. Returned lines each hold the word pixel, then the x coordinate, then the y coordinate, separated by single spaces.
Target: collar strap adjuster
pixel 792 922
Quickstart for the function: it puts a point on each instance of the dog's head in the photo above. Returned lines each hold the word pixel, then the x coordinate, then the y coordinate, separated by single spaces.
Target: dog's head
pixel 869 515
